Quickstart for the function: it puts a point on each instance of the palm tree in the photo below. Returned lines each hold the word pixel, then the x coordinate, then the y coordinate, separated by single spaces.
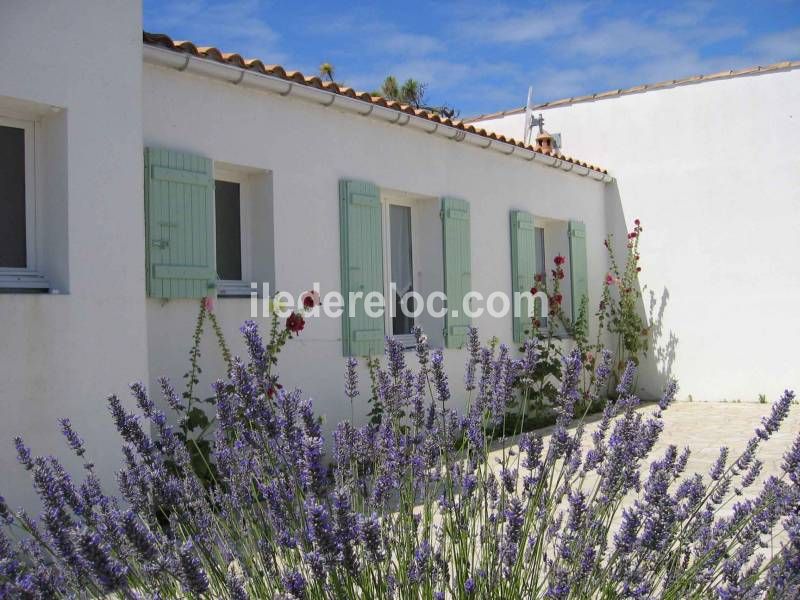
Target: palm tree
pixel 326 71
pixel 389 89
pixel 412 92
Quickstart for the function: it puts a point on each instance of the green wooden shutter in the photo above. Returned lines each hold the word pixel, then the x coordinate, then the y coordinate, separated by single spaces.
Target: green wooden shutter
pixel 457 269
pixel 179 209
pixel 361 250
pixel 523 265
pixel 578 265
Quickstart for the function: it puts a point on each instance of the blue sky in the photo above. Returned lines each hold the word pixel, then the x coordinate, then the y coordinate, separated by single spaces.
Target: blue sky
pixel 481 57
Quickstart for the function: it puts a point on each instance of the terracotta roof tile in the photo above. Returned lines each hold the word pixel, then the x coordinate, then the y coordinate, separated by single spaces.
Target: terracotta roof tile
pixel 234 59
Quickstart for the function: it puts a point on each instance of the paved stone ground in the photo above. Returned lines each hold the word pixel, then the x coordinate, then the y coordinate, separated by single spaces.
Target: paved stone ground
pixel 705 427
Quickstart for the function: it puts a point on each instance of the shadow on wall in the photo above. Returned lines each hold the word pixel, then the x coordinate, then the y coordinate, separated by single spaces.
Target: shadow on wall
pixel 656 367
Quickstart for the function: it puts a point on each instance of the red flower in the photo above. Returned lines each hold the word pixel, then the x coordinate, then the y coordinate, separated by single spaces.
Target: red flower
pixel 637 222
pixel 559 260
pixel 534 291
pixel 558 298
pixel 560 274
pixel 208 303
pixel 632 235
pixel 295 323
pixel 638 269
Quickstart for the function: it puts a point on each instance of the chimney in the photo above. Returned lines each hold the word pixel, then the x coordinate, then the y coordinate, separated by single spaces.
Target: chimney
pixel 544 143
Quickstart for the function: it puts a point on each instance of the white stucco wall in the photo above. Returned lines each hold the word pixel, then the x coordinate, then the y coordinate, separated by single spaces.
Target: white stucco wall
pixel 308 148
pixel 61 355
pixel 713 172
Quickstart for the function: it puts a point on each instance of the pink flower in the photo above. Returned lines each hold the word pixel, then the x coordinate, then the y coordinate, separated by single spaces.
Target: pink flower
pixel 609 279
pixel 310 299
pixel 208 303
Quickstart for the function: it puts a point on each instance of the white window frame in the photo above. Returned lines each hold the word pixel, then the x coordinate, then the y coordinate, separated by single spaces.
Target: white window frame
pixel 228 287
pixel 389 198
pixel 26 277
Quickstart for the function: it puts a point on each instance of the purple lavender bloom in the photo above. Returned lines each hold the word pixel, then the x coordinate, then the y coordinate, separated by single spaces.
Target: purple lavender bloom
pixel 193 577
pixel 345 530
pixel 473 348
pixel 440 377
pixel 395 356
pixel 558 588
pixel 106 570
pixel 515 518
pixel 669 394
pixel 351 378
pixel 469 586
pixel 749 476
pixel 420 566
pixel 422 349
pixel 23 454
pixel 320 529
pixel 255 345
pixel 140 537
pixel 625 386
pixel 718 468
pixel 235 586
pixel 625 538
pixel 169 394
pixel 369 529
pixel 772 422
pixel 295 584
pixel 130 428
pixel 75 442
pixel 791 462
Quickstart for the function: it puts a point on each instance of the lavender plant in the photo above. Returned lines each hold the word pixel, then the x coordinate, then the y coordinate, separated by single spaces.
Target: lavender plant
pixel 417 506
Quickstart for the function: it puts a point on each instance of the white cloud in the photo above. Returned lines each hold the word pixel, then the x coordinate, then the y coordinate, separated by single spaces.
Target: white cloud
pixel 774 47
pixel 232 25
pixel 504 25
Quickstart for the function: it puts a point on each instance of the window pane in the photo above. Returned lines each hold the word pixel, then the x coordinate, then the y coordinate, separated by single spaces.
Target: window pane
pixel 229 230
pixel 540 259
pixel 401 267
pixel 13 234
pixel 541 270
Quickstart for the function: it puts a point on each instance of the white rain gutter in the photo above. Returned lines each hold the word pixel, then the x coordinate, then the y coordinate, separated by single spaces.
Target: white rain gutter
pixel 251 79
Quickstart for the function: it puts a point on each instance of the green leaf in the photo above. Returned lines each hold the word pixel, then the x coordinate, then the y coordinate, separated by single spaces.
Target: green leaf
pixel 196 418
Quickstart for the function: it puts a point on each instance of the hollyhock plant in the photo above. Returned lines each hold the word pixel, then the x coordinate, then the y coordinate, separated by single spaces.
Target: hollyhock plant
pixel 421 504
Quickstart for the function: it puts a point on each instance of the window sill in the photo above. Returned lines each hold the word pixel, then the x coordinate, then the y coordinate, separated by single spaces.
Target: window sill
pixel 234 289
pixel 22 281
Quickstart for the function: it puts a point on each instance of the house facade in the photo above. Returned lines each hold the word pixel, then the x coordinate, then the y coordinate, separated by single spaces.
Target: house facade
pixel 710 166
pixel 142 175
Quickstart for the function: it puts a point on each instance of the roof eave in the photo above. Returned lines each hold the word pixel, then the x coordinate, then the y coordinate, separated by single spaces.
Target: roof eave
pixel 291 84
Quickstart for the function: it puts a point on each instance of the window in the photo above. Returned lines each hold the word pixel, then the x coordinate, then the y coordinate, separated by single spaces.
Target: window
pixel 401 269
pixel 412 264
pixel 17 206
pixel 243 225
pixel 227 211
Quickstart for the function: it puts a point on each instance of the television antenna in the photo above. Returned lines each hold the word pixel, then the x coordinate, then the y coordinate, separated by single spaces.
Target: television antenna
pixel 530 120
